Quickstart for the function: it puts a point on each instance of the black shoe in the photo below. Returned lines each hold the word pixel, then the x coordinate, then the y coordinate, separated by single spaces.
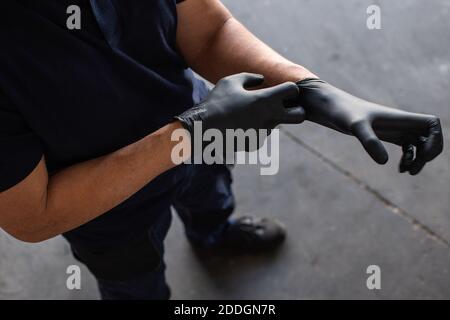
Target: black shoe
pixel 251 234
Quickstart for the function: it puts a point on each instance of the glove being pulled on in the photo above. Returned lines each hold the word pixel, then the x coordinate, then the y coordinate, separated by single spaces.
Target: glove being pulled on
pixel 419 135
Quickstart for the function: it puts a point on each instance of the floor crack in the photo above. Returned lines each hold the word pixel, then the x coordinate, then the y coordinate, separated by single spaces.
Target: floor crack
pixel 416 224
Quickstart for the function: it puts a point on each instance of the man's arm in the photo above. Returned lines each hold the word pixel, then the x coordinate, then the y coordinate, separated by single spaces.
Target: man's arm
pixel 41 207
pixel 215 45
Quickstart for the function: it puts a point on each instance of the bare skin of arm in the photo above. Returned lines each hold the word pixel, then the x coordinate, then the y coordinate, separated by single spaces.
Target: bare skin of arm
pixel 41 207
pixel 216 45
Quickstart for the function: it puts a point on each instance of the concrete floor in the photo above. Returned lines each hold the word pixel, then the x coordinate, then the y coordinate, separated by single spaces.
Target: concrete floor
pixel 343 211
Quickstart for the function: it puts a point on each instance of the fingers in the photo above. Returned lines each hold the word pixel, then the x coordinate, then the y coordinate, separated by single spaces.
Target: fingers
pixel 374 147
pixel 412 160
pixel 284 91
pixel 417 165
pixel 416 121
pixel 433 144
pixel 416 168
pixel 293 115
pixel 281 94
pixel 247 80
pixel 426 149
pixel 408 157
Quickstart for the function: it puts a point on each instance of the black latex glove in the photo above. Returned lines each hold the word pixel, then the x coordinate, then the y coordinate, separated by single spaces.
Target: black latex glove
pixel 419 135
pixel 231 106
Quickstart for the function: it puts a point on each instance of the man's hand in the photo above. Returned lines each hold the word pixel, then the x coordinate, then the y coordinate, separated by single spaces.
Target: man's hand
pixel 231 106
pixel 419 135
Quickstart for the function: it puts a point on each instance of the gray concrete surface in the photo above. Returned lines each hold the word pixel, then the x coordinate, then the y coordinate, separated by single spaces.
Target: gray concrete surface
pixel 343 212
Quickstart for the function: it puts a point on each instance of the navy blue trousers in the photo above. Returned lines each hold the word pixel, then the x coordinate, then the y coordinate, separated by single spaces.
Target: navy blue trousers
pixel 204 201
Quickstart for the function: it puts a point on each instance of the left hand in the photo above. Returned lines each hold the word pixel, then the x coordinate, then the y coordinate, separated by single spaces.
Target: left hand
pixel 419 135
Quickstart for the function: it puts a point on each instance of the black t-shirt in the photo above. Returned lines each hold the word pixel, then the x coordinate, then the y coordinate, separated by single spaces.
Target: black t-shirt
pixel 74 95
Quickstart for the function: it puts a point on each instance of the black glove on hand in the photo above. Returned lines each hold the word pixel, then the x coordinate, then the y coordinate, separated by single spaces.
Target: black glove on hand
pixel 419 135
pixel 231 106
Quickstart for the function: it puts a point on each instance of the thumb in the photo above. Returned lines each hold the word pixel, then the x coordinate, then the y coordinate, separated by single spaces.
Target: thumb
pixel 284 91
pixel 248 80
pixel 374 147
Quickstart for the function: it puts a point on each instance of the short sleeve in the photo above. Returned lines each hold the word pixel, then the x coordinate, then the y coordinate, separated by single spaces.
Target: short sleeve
pixel 20 148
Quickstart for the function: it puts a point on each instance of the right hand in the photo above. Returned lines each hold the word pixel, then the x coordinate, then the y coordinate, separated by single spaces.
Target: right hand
pixel 231 106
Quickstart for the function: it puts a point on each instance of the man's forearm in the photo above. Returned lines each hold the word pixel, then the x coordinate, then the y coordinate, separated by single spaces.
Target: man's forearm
pixel 86 190
pixel 234 49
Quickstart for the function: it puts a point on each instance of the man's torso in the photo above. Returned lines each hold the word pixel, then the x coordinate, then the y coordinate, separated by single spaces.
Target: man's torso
pixel 84 98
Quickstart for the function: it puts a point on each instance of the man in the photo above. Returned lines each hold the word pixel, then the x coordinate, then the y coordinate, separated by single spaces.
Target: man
pixel 86 118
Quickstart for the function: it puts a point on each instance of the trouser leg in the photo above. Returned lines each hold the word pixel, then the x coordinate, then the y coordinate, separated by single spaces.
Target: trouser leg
pixel 205 202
